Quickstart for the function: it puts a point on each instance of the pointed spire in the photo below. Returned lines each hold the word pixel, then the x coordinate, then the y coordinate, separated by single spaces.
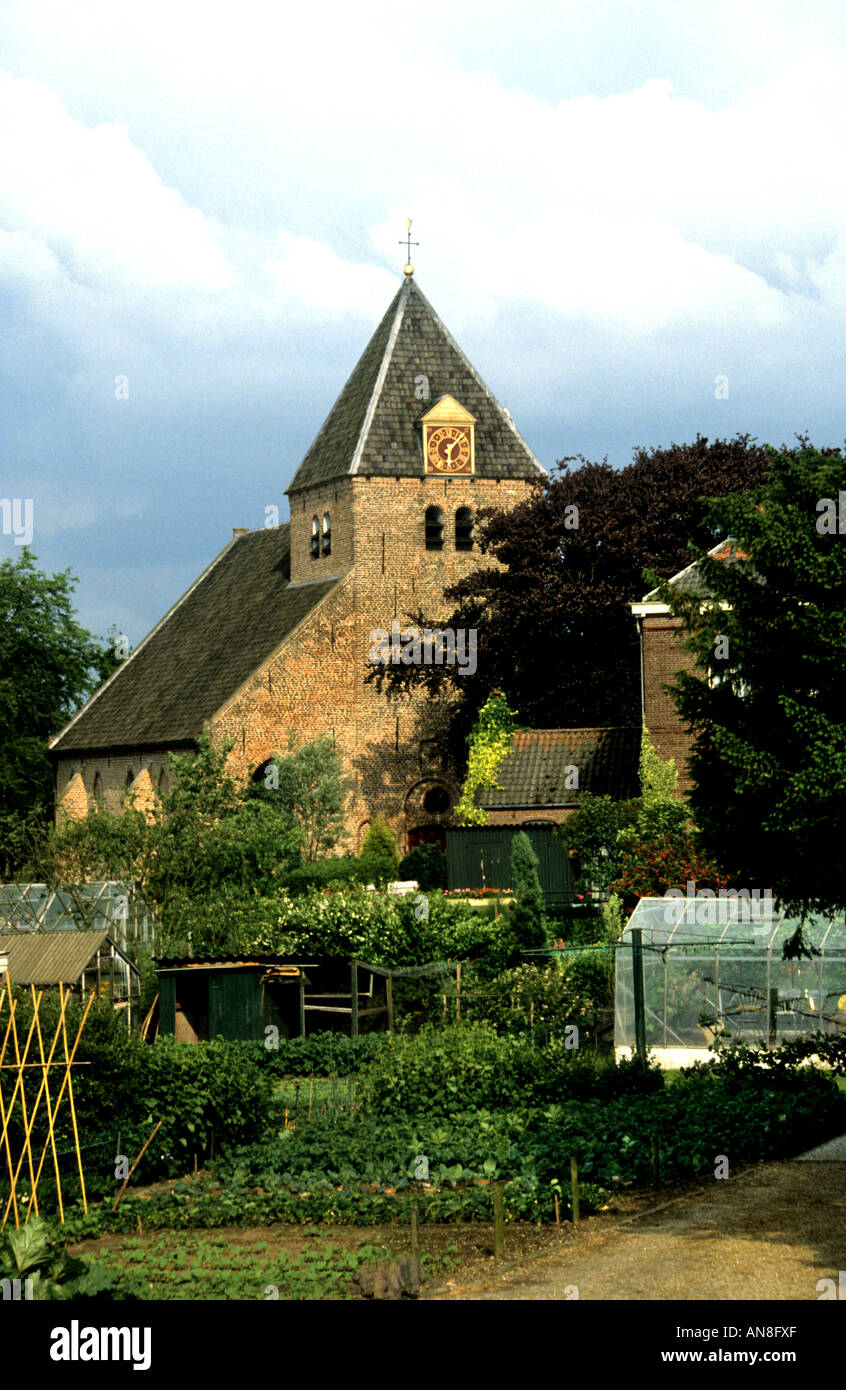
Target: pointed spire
pixel 373 429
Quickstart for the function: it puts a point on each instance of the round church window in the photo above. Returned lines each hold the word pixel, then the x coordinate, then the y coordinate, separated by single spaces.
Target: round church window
pixel 436 801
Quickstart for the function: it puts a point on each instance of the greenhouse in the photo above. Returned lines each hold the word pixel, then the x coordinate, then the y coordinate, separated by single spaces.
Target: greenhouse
pixel 713 965
pixel 115 907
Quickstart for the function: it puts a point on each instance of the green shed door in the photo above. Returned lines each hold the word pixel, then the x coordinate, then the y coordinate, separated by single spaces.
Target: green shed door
pixel 167 1002
pixel 235 1004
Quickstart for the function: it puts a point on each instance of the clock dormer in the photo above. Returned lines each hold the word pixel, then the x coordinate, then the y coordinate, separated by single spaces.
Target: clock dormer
pixel 449 439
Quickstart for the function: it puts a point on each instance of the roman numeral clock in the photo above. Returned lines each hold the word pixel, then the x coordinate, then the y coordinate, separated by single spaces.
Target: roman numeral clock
pixel 449 440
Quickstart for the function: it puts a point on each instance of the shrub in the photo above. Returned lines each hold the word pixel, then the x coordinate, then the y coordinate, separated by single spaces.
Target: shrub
pixel 427 864
pixel 569 989
pixel 379 843
pixel 441 1070
pixel 364 869
pixel 320 1054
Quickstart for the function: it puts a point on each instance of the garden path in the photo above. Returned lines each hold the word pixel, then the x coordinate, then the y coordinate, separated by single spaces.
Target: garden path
pixel 772 1232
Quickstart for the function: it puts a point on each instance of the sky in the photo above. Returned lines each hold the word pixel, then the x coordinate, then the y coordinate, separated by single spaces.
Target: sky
pixel 630 216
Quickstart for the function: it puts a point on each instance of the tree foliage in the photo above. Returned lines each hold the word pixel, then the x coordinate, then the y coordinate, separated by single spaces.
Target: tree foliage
pixel 489 742
pixel 49 666
pixel 769 757
pixel 552 614
pixel 307 785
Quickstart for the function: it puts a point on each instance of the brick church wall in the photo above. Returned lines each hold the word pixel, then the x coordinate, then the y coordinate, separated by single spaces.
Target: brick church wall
pixel 664 654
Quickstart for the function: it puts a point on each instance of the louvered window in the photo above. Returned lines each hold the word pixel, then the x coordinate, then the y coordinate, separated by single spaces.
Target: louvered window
pixel 464 529
pixel 434 528
pixel 315 538
pixel 327 534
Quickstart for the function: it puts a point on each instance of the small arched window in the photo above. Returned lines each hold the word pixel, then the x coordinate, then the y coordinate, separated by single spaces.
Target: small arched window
pixel 327 534
pixel 130 777
pixel 434 528
pixel 98 789
pixel 315 538
pixel 464 529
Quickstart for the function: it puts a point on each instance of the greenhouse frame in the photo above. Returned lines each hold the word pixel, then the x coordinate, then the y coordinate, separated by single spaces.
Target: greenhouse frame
pixel 111 906
pixel 713 967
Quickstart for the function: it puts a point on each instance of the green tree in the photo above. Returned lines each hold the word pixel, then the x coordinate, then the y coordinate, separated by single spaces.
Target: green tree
pixel 767 709
pixel 49 666
pixel 204 859
pixel 591 837
pixel 527 926
pixel 379 843
pixel 307 785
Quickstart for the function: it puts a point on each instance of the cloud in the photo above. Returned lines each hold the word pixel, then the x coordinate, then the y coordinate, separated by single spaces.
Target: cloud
pixel 211 204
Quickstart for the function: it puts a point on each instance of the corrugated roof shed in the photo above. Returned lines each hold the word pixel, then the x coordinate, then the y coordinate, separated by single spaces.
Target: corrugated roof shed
pixel 50 958
pixel 538 770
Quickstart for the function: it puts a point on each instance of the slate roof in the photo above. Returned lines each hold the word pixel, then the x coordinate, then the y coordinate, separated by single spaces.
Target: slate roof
pixel 233 618
pixel 690 581
pixel 372 429
pixel 42 958
pixel 536 771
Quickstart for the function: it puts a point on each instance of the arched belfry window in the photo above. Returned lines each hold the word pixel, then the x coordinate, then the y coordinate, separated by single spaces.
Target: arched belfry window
pixel 327 534
pixel 464 529
pixel 434 528
pixel 315 538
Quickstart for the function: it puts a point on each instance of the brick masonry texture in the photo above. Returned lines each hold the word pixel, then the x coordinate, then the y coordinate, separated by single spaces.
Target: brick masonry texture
pixel 663 655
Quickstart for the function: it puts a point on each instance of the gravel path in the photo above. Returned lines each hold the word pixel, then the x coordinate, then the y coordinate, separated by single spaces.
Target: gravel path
pixel 770 1233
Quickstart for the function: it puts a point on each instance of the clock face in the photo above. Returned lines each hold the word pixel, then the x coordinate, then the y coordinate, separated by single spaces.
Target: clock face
pixel 448 450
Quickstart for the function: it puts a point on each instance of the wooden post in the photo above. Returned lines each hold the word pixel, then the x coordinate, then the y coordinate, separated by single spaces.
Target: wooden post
pixel 302 1005
pixel 499 1219
pixel 389 998
pixel 574 1188
pixel 354 1000
pixel 458 990
pixel 415 1232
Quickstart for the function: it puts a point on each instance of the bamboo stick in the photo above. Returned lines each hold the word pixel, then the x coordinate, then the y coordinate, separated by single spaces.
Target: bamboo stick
pixel 5 1122
pixel 135 1164
pixel 50 1117
pixel 73 1108
pixel 68 1064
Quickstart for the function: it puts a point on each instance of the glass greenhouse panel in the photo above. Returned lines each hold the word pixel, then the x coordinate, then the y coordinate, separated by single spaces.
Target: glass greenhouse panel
pixel 112 906
pixel 714 966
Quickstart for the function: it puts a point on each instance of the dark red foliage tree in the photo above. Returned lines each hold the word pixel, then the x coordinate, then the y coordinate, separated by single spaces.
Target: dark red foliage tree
pixel 554 628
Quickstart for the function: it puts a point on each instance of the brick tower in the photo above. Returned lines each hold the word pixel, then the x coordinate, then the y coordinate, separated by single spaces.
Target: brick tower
pixel 278 631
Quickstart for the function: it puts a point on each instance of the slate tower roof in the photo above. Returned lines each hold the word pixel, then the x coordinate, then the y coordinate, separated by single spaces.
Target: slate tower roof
pixel 373 427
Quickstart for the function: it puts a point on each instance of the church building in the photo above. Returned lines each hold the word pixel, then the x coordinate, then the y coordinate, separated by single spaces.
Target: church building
pixel 277 635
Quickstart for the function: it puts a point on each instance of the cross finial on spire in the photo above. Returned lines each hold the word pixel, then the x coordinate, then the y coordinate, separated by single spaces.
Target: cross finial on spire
pixel 408 243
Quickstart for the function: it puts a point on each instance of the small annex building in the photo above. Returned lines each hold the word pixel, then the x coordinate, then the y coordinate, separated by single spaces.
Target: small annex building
pixel 81 960
pixel 242 997
pixel 542 780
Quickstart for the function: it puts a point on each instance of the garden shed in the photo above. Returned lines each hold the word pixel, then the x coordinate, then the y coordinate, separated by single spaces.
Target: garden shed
pixel 715 966
pixel 240 997
pixel 82 960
